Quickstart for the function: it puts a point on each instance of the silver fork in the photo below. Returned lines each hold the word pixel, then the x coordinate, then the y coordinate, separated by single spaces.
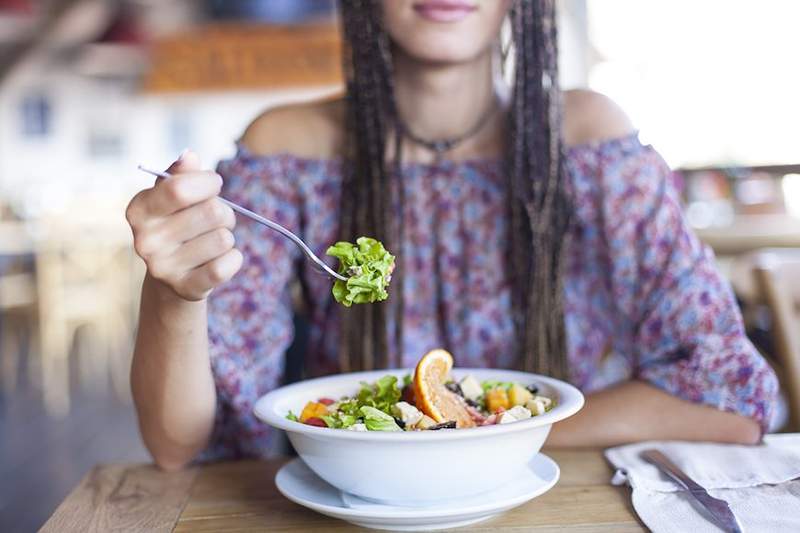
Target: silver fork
pixel 268 223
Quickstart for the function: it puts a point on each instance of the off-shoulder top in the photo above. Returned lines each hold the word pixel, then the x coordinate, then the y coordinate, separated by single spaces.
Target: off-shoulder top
pixel 643 298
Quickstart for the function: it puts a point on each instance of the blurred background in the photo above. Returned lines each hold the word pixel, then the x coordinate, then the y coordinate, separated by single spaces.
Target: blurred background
pixel 91 88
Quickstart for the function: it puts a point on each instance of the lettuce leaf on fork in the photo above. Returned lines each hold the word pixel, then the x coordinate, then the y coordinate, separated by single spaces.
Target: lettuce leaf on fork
pixel 368 267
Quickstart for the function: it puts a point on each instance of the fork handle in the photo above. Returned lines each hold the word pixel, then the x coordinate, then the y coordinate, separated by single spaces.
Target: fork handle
pixel 267 222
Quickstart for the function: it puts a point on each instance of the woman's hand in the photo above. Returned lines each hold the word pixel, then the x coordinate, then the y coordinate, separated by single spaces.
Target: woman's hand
pixel 183 232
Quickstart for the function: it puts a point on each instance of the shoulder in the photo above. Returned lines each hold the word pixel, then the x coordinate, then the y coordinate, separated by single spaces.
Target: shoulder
pixel 313 130
pixel 591 117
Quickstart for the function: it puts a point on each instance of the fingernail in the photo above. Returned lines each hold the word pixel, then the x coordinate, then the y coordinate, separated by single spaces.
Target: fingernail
pixel 184 154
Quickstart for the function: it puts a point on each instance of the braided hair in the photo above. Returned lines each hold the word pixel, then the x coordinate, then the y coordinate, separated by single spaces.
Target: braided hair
pixel 538 208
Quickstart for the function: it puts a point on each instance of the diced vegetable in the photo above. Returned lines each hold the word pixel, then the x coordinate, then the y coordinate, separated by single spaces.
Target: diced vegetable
pixel 313 410
pixel 315 421
pixel 358 427
pixel 497 399
pixel 518 395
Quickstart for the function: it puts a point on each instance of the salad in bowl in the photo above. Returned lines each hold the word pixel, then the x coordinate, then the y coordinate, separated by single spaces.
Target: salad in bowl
pixel 430 400
pixel 366 433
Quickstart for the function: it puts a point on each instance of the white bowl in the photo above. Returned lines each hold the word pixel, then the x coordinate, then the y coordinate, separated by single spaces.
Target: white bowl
pixel 416 468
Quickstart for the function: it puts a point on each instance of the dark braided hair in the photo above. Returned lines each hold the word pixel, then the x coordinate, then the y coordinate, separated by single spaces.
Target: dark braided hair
pixel 539 211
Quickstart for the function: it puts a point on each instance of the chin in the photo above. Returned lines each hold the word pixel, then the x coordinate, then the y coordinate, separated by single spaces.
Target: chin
pixel 443 35
pixel 444 50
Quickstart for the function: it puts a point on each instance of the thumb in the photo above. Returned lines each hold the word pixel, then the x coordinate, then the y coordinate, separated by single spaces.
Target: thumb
pixel 188 161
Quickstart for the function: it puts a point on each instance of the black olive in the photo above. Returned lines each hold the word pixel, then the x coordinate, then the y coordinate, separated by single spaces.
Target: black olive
pixel 450 424
pixel 473 403
pixel 533 389
pixel 400 422
pixel 454 387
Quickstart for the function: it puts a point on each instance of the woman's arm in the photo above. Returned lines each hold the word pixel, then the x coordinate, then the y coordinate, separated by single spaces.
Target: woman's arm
pixel 183 234
pixel 171 379
pixel 674 319
pixel 635 411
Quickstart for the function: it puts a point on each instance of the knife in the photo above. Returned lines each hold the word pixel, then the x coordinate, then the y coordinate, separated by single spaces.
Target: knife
pixel 719 510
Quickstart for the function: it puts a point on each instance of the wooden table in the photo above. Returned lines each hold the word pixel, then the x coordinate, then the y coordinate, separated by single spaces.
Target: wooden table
pixel 241 496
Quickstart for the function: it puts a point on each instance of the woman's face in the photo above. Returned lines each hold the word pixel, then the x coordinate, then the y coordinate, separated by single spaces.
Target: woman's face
pixel 444 31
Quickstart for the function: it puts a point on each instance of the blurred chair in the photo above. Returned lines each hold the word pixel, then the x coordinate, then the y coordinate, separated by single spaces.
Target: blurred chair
pixel 771 277
pixel 84 287
pixel 18 300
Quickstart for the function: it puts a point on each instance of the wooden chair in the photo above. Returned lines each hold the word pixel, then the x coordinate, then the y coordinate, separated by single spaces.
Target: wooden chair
pixel 772 277
pixel 84 285
pixel 18 300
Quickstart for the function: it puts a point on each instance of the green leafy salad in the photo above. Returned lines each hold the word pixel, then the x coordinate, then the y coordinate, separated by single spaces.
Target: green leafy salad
pixel 387 405
pixel 368 267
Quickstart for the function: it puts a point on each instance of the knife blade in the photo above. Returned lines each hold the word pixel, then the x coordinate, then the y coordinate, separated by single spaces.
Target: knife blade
pixel 719 510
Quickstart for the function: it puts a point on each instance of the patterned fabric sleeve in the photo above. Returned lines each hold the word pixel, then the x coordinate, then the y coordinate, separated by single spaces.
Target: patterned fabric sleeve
pixel 686 331
pixel 250 318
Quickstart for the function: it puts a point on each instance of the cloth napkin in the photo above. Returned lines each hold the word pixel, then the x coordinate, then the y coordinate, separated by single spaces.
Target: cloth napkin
pixel 760 483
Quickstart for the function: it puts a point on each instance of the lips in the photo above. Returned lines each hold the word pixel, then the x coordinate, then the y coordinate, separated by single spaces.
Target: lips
pixel 444 10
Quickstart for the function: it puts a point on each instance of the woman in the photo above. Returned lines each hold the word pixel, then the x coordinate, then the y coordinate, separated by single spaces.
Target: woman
pixel 513 250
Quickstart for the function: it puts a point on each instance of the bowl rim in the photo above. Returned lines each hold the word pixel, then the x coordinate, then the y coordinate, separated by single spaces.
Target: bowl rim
pixel 571 401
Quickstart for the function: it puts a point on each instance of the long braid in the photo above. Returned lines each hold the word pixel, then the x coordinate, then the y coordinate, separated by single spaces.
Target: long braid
pixel 539 212
pixel 538 181
pixel 364 204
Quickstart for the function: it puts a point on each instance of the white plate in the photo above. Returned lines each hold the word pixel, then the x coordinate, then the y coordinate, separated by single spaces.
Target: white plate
pixel 298 483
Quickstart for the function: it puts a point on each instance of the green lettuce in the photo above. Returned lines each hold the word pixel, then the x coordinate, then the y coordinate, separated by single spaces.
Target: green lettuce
pixel 490 384
pixel 377 420
pixel 382 395
pixel 368 267
pixel 339 420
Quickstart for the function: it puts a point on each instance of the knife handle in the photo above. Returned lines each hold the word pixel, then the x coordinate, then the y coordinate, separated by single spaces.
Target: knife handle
pixel 666 465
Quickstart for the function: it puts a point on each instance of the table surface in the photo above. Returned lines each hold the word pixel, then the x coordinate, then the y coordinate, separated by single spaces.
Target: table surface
pixel 241 496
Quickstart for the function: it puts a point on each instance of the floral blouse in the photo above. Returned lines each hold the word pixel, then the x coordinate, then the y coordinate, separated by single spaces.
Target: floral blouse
pixel 643 298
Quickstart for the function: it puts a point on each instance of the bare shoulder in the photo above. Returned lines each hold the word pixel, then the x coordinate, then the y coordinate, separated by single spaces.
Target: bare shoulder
pixel 592 117
pixel 313 129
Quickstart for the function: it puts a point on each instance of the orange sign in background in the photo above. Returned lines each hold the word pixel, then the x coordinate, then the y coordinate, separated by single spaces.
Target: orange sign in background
pixel 239 57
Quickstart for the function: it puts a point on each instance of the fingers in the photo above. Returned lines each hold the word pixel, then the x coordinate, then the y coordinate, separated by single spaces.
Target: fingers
pixel 199 282
pixel 197 220
pixel 183 231
pixel 181 191
pixel 202 249
pixel 188 161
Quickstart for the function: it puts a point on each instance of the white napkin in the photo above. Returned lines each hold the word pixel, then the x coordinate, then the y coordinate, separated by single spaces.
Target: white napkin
pixel 760 483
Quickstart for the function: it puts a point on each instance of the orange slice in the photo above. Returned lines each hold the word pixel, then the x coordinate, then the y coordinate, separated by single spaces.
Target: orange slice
pixel 432 397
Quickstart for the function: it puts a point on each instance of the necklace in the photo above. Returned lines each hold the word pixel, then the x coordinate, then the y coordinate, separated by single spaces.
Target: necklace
pixel 442 146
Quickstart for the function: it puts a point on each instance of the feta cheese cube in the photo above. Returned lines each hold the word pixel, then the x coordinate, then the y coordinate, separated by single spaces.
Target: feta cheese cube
pixel 357 427
pixel 406 412
pixel 506 418
pixel 515 414
pixel 470 388
pixel 519 412
pixel 426 422
pixel 545 400
pixel 536 406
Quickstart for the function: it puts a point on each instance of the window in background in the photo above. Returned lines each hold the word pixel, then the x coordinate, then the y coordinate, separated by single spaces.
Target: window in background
pixel 105 141
pixel 35 116
pixel 711 83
